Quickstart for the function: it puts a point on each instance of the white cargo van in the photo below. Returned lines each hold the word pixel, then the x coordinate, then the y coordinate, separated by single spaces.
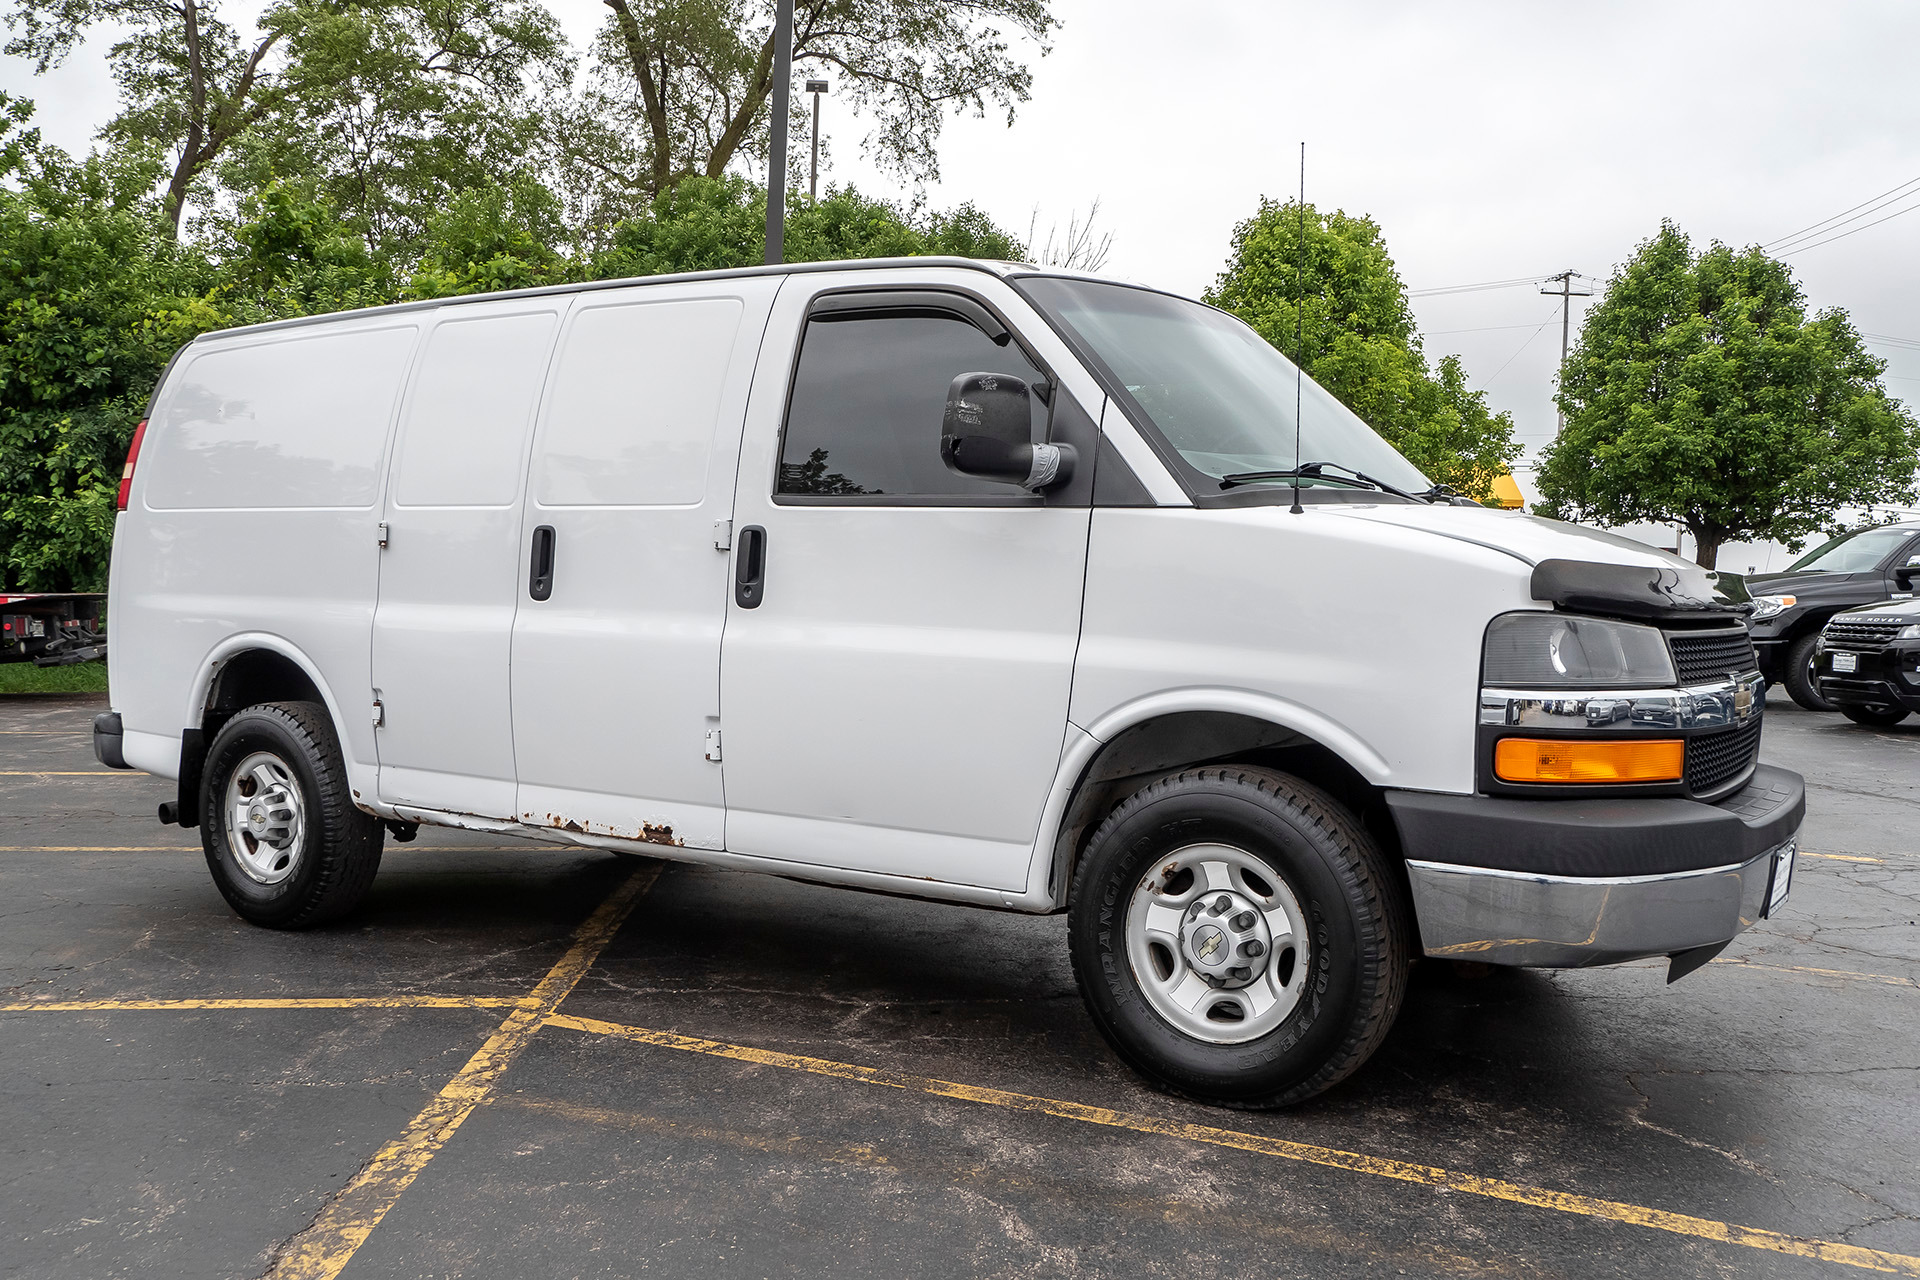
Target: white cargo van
pixel 958 580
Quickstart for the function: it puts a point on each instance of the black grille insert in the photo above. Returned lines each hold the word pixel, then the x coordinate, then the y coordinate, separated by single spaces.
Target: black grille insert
pixel 1715 759
pixel 1861 637
pixel 1703 657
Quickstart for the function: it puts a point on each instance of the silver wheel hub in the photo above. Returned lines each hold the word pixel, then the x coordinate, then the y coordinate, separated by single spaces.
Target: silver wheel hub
pixel 1218 943
pixel 266 825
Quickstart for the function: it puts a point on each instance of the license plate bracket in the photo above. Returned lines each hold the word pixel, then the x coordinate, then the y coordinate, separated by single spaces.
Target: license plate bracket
pixel 1844 663
pixel 1780 876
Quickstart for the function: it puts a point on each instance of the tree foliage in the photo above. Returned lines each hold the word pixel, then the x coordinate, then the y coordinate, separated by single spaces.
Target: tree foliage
pixel 1331 300
pixel 1701 392
pixel 689 81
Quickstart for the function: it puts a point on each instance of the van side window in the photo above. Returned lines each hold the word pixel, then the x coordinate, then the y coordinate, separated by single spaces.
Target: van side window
pixel 868 396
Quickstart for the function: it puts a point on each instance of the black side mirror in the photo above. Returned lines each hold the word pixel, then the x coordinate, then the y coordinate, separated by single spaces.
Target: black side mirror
pixel 986 433
pixel 1904 575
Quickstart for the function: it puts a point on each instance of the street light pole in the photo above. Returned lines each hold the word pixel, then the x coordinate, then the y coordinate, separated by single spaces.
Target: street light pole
pixel 816 88
pixel 1567 292
pixel 777 158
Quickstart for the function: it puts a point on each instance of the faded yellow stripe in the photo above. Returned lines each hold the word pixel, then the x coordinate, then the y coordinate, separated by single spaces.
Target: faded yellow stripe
pixel 289 1002
pixel 73 773
pixel 323 1249
pixel 1398 1170
pixel 1841 857
pixel 1889 979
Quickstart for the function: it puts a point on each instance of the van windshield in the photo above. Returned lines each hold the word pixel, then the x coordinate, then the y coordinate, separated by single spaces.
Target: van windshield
pixel 1215 389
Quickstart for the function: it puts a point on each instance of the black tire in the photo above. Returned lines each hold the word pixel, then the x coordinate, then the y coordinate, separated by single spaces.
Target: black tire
pixel 1358 928
pixel 331 863
pixel 1799 681
pixel 1877 717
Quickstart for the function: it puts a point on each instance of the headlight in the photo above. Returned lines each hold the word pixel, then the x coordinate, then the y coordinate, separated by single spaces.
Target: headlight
pixel 1909 632
pixel 1772 606
pixel 1552 651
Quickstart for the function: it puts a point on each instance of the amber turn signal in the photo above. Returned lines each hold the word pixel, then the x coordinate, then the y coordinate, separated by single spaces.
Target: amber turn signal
pixel 1540 760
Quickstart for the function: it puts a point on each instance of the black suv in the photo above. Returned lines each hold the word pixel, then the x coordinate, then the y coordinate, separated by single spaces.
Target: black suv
pixel 1868 662
pixel 1790 608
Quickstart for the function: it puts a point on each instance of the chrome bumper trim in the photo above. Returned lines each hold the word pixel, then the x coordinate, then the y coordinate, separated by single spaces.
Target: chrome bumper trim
pixel 1563 922
pixel 1717 705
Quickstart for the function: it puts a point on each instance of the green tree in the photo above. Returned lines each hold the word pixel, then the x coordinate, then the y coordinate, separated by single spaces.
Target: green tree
pixel 383 108
pixel 189 85
pixel 707 224
pixel 93 292
pixel 1702 393
pixel 1345 297
pixel 489 238
pixel 681 88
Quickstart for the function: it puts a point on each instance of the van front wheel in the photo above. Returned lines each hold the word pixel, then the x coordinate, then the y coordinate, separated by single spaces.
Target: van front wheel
pixel 282 838
pixel 1237 937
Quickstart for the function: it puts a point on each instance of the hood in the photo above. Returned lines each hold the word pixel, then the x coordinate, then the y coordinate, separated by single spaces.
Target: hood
pixel 1901 611
pixel 1527 537
pixel 1775 584
pixel 1587 570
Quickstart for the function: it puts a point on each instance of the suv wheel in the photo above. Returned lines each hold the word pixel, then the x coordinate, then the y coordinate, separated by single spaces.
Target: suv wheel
pixel 1237 937
pixel 1876 717
pixel 282 838
pixel 1800 685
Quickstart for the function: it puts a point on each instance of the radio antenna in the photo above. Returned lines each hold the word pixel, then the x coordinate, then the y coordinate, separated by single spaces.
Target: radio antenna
pixel 1299 324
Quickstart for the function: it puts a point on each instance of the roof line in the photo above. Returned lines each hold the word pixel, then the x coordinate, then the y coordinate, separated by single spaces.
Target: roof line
pixel 988 266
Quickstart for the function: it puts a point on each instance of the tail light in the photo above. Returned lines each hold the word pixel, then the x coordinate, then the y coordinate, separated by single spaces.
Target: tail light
pixel 133 456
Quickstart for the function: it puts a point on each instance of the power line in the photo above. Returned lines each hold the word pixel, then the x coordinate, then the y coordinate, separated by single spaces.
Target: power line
pixel 1844 234
pixel 1888 340
pixel 1475 288
pixel 1435 333
pixel 1876 201
pixel 1538 329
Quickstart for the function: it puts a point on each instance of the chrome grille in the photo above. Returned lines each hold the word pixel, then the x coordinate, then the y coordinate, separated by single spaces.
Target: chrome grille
pixel 1702 657
pixel 1715 759
pixel 1862 637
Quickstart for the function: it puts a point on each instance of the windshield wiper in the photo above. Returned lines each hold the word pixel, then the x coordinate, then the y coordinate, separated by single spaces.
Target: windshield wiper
pixel 1316 471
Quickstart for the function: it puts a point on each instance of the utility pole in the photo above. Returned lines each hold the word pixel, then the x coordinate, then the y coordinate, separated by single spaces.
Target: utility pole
pixel 816 88
pixel 1567 292
pixel 777 159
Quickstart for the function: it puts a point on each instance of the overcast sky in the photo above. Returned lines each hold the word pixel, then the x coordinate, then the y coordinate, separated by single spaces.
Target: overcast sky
pixel 1489 140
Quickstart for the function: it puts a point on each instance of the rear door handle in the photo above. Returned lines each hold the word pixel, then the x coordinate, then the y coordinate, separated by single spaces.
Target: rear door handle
pixel 540 574
pixel 750 567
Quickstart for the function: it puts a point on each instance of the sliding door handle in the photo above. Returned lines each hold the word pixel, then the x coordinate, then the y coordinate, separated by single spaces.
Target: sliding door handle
pixel 540 574
pixel 750 567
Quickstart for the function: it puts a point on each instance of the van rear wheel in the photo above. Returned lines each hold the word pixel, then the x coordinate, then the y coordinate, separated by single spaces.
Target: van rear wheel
pixel 285 844
pixel 1237 937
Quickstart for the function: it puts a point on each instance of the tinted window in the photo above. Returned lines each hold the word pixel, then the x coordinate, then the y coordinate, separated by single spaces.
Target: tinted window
pixel 868 396
pixel 1855 552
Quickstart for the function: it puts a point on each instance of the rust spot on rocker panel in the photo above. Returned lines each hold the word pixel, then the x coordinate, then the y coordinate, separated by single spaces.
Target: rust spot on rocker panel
pixel 650 833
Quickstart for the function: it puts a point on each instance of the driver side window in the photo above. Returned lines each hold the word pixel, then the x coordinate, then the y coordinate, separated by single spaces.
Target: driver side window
pixel 869 391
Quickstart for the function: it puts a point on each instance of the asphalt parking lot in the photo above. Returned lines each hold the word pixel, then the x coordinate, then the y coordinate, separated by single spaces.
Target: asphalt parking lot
pixel 523 1060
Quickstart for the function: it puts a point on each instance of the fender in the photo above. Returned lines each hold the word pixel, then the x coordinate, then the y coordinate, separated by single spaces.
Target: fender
pixel 1046 888
pixel 361 775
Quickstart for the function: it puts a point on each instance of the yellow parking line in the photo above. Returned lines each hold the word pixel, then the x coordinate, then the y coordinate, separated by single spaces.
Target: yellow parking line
pixel 1849 974
pixel 1398 1170
pixel 1840 857
pixel 73 773
pixel 319 1252
pixel 288 1002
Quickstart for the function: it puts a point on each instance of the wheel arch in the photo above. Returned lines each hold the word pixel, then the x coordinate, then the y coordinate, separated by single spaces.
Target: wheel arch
pixel 1133 745
pixel 243 670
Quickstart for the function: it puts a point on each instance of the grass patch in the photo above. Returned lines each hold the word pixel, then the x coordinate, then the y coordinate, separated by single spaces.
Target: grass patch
pixel 24 677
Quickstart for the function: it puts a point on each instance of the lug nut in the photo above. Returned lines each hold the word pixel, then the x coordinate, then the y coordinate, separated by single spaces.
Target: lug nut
pixel 1252 947
pixel 1243 921
pixel 1222 905
pixel 1242 972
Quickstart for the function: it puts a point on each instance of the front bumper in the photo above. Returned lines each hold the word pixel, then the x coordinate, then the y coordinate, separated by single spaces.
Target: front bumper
pixel 1879 678
pixel 1572 883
